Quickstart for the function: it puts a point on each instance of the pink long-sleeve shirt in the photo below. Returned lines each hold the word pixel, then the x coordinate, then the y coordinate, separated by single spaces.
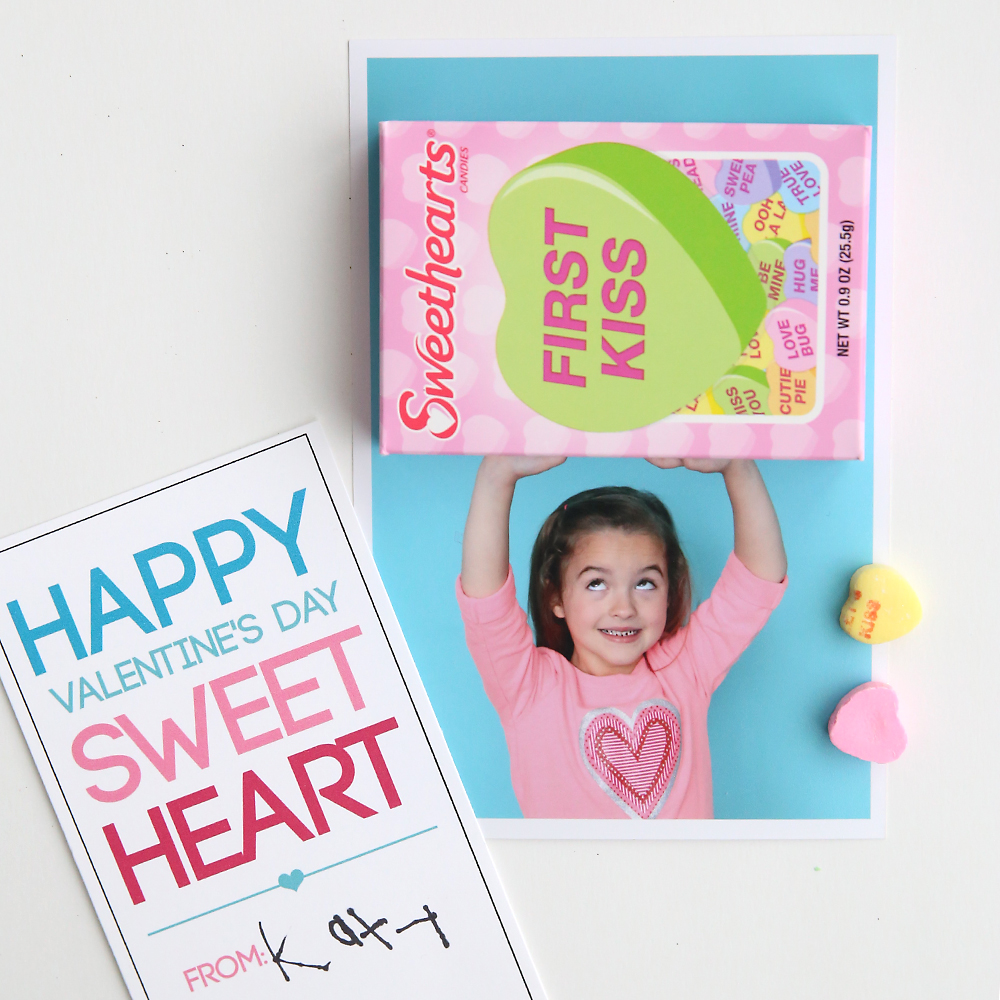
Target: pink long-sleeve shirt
pixel 624 745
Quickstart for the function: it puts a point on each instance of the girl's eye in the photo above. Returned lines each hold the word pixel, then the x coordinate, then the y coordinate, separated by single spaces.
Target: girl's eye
pixel 645 585
pixel 597 584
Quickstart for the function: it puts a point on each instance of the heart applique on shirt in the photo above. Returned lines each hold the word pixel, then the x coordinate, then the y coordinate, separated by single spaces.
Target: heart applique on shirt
pixel 634 759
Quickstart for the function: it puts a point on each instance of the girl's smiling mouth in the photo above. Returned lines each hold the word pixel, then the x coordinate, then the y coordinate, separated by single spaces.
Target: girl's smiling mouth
pixel 620 633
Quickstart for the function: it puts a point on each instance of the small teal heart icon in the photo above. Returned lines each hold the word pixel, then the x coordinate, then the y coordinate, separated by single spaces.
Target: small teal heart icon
pixel 292 880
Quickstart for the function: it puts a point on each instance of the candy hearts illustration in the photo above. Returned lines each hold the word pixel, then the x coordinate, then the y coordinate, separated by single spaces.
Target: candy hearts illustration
pixel 810 222
pixel 768 258
pixel 800 188
pixel 746 181
pixel 626 292
pixel 733 214
pixel 865 724
pixel 700 407
pixel 635 759
pixel 771 219
pixel 792 328
pixel 792 393
pixel 743 391
pixel 801 272
pixel 759 352
pixel 880 605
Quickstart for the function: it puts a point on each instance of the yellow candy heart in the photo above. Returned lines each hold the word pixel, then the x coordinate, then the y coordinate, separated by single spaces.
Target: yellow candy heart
pixel 881 606
pixel 792 393
pixel 759 352
pixel 715 408
pixel 698 406
pixel 771 219
pixel 811 223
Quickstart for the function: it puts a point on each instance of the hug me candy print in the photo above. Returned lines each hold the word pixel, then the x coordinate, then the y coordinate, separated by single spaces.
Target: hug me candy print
pixel 623 289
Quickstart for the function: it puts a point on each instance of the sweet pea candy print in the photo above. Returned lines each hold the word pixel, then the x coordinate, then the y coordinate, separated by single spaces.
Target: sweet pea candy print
pixel 627 293
pixel 747 181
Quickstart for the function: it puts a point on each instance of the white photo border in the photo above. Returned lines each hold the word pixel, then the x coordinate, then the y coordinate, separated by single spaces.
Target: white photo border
pixel 884 47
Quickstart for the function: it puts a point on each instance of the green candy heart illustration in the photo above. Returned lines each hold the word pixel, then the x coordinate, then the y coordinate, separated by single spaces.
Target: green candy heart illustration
pixel 743 391
pixel 627 294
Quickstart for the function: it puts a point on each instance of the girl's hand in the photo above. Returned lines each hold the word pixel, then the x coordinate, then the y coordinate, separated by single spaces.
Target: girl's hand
pixel 756 532
pixel 694 464
pixel 485 544
pixel 511 468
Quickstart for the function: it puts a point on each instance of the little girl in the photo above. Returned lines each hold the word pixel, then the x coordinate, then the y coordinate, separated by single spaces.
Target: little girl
pixel 606 711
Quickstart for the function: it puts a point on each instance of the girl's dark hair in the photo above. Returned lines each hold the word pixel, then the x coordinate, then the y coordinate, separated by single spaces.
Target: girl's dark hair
pixel 621 507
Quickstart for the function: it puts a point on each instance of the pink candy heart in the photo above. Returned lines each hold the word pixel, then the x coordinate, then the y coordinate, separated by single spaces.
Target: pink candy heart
pixel 865 724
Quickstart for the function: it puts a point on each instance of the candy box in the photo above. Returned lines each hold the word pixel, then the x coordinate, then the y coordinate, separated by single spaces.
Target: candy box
pixel 684 290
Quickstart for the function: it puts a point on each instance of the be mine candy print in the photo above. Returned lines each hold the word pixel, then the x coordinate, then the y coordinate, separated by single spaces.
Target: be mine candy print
pixel 623 289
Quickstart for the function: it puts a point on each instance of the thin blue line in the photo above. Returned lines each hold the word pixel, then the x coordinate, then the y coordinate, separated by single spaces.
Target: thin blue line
pixel 409 836
pixel 213 910
pixel 271 888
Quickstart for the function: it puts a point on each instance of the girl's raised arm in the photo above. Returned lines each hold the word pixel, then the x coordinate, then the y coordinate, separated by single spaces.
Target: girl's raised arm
pixel 758 543
pixel 757 534
pixel 486 542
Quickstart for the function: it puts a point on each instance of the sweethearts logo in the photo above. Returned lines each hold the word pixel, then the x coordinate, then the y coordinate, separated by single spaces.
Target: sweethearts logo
pixel 439 278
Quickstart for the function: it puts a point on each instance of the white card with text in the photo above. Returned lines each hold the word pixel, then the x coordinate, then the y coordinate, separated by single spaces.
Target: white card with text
pixel 237 744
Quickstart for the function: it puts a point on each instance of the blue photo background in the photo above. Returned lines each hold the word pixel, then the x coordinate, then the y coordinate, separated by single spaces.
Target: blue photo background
pixel 771 757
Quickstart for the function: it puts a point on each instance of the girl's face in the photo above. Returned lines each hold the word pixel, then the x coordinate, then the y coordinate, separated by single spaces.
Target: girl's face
pixel 614 599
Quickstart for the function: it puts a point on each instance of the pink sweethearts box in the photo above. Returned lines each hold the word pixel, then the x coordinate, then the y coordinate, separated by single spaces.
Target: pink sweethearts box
pixel 683 290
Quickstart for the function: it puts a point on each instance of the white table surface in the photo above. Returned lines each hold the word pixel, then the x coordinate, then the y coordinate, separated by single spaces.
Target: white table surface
pixel 174 284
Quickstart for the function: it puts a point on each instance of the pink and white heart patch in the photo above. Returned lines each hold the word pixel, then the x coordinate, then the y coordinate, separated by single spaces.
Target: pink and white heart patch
pixel 634 759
